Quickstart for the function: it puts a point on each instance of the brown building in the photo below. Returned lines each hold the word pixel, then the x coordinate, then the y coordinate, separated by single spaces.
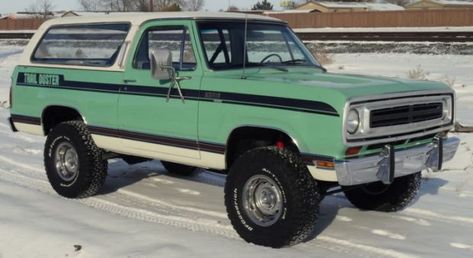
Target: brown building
pixel 438 4
pixel 328 7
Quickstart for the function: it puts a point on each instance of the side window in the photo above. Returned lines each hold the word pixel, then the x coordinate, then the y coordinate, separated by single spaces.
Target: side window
pixel 217 46
pixel 174 38
pixel 261 43
pixel 84 45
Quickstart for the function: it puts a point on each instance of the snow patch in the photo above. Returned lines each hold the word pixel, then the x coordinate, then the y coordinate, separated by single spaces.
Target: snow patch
pixel 417 221
pixel 188 191
pixel 462 246
pixel 385 233
pixel 344 218
pixel 431 214
pixel 366 248
pixel 162 181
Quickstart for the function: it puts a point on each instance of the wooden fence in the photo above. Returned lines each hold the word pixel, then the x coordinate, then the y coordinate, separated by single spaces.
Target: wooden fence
pixel 417 18
pixel 21 24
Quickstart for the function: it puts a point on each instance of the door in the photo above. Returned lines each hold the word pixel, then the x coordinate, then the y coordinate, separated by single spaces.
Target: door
pixel 150 122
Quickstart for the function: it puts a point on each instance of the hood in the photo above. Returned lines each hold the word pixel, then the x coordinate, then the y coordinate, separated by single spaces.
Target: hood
pixel 332 89
pixel 349 85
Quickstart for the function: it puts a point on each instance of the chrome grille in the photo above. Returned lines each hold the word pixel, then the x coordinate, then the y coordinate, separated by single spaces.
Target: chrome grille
pixel 405 114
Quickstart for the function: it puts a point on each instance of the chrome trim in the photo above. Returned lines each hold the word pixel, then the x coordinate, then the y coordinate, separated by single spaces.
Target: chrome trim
pixel 121 54
pixel 408 161
pixel 364 106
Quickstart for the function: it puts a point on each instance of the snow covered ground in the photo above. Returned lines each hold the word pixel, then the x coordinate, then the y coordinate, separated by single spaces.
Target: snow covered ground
pixel 389 29
pixel 145 212
pixel 454 70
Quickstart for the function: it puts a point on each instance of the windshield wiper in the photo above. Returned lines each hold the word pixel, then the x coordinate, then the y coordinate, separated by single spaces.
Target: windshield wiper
pixel 295 61
pixel 282 69
pixel 303 61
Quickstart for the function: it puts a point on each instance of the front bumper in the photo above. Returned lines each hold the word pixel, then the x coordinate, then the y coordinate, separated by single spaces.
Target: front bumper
pixel 396 163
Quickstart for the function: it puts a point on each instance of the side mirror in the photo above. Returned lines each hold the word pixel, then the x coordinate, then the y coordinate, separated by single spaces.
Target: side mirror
pixel 161 64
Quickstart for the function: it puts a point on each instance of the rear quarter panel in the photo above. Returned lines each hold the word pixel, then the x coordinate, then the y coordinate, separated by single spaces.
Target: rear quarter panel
pixel 93 94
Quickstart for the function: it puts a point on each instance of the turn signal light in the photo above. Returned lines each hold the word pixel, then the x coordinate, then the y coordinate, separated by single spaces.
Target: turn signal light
pixel 324 164
pixel 352 151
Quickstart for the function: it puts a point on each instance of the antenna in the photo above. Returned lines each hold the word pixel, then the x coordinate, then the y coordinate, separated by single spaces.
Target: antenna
pixel 243 75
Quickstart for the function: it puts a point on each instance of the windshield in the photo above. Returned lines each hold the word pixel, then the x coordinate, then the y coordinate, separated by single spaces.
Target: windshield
pixel 273 45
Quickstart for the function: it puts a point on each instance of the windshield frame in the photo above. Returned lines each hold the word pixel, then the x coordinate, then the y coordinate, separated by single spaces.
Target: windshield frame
pixel 288 32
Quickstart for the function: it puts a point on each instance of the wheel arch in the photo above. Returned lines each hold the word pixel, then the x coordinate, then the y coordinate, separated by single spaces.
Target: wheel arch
pixel 255 133
pixel 55 114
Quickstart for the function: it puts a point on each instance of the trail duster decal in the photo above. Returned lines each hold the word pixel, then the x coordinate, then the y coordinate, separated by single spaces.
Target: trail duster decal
pixel 39 79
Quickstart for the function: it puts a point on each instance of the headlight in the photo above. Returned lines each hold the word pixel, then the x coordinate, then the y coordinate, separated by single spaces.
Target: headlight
pixel 353 121
pixel 447 109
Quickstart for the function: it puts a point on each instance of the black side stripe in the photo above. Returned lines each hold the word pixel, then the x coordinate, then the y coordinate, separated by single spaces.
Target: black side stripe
pixel 208 96
pixel 163 140
pixel 157 139
pixel 26 119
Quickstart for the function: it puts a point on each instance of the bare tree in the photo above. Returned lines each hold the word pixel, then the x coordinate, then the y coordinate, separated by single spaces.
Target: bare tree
pixel 165 4
pixel 132 5
pixel 90 5
pixel 193 5
pixel 41 8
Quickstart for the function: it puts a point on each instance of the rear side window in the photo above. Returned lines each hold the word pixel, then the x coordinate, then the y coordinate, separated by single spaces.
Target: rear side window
pixel 83 45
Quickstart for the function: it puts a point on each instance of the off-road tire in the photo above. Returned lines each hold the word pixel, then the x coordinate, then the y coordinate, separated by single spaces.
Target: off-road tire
pixel 300 202
pixel 92 170
pixel 178 169
pixel 389 198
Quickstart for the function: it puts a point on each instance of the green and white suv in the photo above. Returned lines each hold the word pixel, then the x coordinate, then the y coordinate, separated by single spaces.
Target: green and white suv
pixel 229 92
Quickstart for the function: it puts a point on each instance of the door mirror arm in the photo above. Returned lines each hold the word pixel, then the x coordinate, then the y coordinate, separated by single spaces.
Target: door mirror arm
pixel 162 69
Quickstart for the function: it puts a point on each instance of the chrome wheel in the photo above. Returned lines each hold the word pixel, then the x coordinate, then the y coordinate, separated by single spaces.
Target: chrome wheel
pixel 262 200
pixel 67 162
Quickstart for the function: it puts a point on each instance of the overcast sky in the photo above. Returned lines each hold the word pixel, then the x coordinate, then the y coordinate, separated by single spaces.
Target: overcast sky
pixel 8 6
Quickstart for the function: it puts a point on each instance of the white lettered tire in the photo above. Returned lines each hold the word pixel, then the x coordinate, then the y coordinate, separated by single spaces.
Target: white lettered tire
pixel 74 164
pixel 271 198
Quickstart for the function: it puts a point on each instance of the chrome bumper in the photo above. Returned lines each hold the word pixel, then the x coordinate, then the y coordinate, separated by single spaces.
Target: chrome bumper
pixel 391 164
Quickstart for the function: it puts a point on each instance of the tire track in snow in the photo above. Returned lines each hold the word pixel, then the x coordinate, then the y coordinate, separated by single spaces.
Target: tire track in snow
pixel 438 216
pixel 149 216
pixel 129 212
pixel 197 225
pixel 21 165
pixel 172 206
pixel 383 233
pixel 417 221
pixel 369 249
pixel 132 194
pixel 24 138
pixel 400 216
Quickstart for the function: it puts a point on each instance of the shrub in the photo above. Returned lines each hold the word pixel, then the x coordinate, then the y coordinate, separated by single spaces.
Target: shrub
pixel 417 74
pixel 321 54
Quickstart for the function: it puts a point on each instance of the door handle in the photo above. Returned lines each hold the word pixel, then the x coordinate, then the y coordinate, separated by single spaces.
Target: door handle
pixel 129 81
